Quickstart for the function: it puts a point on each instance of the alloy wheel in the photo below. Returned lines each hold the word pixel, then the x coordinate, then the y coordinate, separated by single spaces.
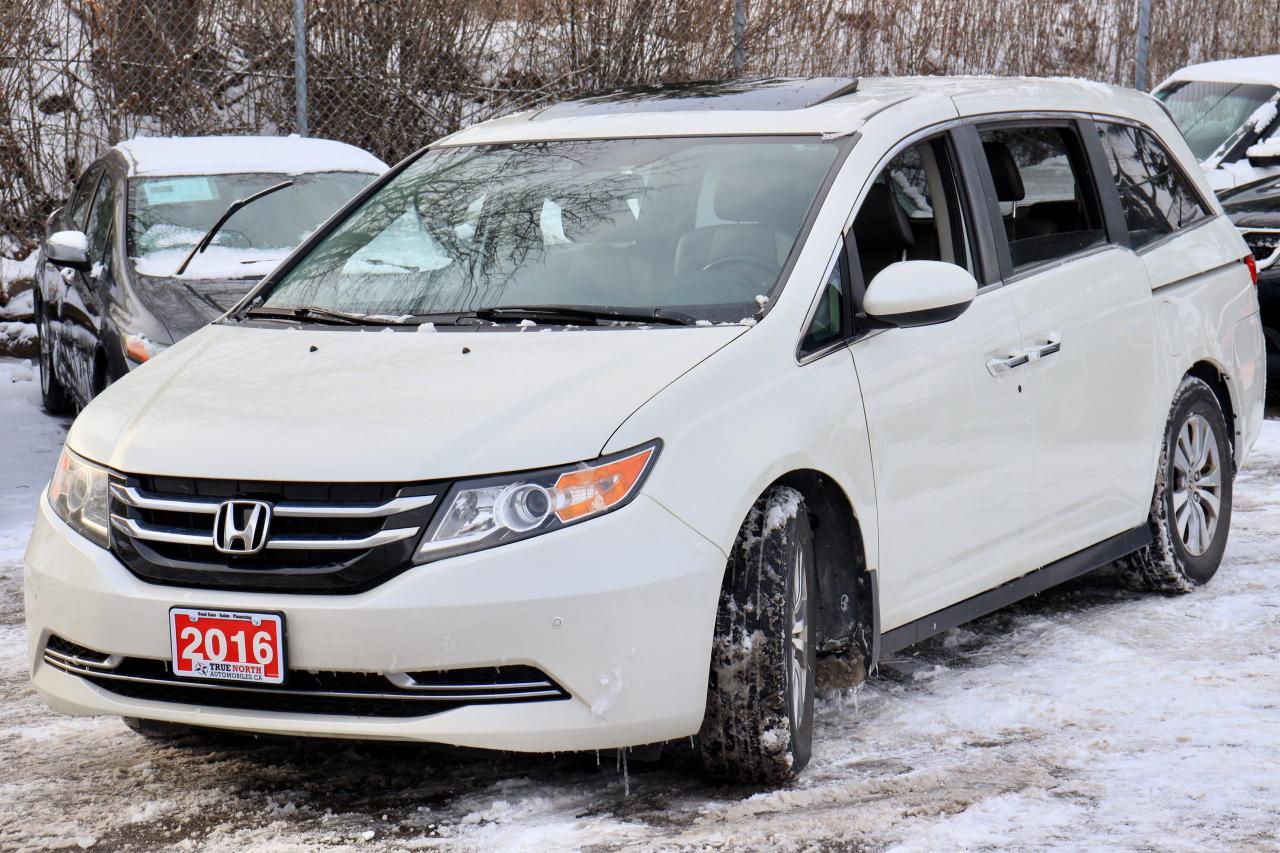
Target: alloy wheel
pixel 799 651
pixel 1197 485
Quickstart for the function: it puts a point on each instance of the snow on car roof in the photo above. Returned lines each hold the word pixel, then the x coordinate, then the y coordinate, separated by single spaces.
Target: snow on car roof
pixel 1249 69
pixel 813 106
pixel 224 155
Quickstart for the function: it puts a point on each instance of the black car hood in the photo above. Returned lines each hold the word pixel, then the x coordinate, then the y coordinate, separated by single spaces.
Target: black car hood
pixel 184 305
pixel 1254 205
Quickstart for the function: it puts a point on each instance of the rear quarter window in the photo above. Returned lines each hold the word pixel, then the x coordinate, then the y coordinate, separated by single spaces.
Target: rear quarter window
pixel 1156 196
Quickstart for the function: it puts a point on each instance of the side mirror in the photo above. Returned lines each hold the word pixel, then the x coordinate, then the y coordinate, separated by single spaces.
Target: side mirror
pixel 68 249
pixel 919 293
pixel 1264 156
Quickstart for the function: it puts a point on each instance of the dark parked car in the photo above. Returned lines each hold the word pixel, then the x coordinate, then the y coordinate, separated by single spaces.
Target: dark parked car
pixel 109 294
pixel 1255 209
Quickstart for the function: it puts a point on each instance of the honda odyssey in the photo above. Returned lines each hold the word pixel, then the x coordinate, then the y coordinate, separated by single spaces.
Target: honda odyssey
pixel 646 415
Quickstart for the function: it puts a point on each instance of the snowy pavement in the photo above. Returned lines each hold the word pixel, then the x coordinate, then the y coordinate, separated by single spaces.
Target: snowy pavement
pixel 1090 718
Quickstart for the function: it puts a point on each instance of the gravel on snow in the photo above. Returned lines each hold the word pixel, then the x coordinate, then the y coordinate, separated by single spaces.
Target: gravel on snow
pixel 1089 718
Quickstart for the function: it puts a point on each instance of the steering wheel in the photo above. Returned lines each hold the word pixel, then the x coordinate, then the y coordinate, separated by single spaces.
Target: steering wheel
pixel 755 261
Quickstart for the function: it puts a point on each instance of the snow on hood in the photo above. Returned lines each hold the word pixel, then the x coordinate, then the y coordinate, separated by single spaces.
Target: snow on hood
pixel 381 405
pixel 227 155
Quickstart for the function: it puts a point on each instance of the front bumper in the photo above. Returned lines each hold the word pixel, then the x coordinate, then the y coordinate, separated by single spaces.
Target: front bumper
pixel 619 611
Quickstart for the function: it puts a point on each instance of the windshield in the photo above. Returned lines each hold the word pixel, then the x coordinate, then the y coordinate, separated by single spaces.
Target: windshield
pixel 168 216
pixel 699 225
pixel 1209 113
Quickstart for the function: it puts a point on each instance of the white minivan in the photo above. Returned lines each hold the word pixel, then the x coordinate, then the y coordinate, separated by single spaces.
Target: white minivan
pixel 645 415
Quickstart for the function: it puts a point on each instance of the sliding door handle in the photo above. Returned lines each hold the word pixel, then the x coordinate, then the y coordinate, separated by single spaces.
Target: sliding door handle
pixel 1049 347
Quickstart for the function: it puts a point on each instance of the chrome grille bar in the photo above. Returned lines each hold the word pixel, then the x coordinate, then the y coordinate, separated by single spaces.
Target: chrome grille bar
pixel 501 694
pixel 185 536
pixel 135 497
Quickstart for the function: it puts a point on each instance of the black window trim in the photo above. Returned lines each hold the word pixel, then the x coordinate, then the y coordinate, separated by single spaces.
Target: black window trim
pixel 839 258
pixel 88 183
pixel 995 221
pixel 981 248
pixel 1208 211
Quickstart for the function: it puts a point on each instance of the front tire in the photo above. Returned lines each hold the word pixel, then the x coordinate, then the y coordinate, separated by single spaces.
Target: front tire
pixel 53 395
pixel 1191 508
pixel 758 725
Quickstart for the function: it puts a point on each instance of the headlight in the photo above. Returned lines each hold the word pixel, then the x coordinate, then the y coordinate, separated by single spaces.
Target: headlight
pixel 78 493
pixel 482 513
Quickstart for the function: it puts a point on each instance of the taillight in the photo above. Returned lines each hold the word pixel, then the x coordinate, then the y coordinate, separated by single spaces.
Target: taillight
pixel 1253 268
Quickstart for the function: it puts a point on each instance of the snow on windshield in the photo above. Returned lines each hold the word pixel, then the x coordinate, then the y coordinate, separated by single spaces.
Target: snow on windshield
pixel 169 215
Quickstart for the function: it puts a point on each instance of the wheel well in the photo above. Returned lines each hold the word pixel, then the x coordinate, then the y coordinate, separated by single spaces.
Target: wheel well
pixel 1214 378
pixel 846 591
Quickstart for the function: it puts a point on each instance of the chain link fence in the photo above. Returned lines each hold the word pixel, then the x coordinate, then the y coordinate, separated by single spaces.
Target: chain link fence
pixel 391 75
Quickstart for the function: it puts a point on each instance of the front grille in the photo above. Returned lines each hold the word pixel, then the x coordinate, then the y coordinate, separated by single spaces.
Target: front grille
pixel 404 694
pixel 323 538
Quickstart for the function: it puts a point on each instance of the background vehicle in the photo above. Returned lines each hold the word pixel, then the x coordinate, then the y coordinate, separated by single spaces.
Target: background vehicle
pixel 613 422
pixel 1255 209
pixel 1224 109
pixel 107 293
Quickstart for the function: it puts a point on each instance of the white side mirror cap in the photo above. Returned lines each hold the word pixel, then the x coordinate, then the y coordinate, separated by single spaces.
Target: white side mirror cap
pixel 68 249
pixel 919 293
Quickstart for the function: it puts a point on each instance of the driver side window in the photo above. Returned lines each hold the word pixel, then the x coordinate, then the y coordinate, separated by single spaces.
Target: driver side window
pixel 913 212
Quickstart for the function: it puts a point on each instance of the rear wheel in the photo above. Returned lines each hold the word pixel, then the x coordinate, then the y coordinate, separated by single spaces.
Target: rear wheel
pixel 53 395
pixel 1191 508
pixel 759 719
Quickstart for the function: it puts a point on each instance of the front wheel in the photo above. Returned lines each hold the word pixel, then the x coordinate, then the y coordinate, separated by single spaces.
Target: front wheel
pixel 53 395
pixel 1191 508
pixel 759 718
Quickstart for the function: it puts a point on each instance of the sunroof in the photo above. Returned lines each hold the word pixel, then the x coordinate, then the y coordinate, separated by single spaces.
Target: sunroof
pixel 773 93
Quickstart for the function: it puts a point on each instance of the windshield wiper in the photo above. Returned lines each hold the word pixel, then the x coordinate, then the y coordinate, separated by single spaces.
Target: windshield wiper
pixel 222 220
pixel 323 315
pixel 561 314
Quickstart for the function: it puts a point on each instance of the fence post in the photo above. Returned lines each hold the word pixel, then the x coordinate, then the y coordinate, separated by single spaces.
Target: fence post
pixel 300 63
pixel 1144 42
pixel 739 32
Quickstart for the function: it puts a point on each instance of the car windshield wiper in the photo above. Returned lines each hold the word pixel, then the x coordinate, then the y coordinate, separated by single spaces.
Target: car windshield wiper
pixel 231 211
pixel 562 314
pixel 324 315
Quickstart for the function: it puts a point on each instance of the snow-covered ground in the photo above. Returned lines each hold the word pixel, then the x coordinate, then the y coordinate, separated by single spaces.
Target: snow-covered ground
pixel 1090 718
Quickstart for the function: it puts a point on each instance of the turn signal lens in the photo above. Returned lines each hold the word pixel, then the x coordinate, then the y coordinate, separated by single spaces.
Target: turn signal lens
pixel 140 350
pixel 480 514
pixel 592 490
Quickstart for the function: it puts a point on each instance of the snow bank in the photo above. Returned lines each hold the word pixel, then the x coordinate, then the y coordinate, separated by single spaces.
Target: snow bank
pixel 222 155
pixel 18 339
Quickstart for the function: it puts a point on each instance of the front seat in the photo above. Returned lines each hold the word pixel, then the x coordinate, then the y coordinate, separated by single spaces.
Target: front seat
pixel 762 209
pixel 883 231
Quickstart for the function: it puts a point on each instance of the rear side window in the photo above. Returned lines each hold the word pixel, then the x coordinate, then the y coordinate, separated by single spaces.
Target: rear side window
pixel 1047 200
pixel 1157 197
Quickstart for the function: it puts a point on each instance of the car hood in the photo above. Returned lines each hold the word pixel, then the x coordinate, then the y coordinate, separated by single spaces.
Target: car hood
pixel 338 405
pixel 184 306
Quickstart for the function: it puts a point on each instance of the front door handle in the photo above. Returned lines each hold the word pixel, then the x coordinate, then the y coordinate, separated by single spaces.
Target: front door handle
pixel 1001 366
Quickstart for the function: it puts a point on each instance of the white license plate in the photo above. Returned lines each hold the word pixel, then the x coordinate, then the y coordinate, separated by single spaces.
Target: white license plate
pixel 227 645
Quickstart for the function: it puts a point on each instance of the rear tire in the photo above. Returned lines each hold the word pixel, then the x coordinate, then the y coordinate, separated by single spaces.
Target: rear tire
pixel 1191 508
pixel 53 395
pixel 759 718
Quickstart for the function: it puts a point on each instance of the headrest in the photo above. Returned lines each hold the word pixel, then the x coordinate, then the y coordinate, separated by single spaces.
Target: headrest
pixel 882 224
pixel 1004 171
pixel 769 193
